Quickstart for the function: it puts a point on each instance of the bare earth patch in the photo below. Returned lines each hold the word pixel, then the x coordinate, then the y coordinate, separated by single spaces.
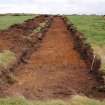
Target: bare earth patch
pixel 56 70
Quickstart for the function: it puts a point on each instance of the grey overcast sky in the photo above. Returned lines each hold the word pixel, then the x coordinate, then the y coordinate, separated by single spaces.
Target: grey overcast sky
pixel 53 6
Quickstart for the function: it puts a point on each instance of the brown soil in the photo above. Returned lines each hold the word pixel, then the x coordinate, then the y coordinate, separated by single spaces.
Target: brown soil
pixel 55 70
pixel 22 40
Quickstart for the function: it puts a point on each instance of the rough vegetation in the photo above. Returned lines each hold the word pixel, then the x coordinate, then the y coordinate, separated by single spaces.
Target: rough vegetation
pixel 75 100
pixel 7 58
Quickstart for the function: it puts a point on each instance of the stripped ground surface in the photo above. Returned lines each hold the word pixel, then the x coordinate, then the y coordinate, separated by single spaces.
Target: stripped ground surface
pixel 20 38
pixel 55 70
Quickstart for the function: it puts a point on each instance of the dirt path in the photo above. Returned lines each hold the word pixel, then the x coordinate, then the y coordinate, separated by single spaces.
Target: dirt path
pixel 55 70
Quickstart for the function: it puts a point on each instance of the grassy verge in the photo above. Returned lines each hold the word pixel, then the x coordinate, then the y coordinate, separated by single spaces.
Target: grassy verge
pixel 75 100
pixel 93 28
pixel 8 20
pixel 6 59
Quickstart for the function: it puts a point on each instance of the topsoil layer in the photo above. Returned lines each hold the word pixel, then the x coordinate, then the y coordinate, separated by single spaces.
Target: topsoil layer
pixel 55 70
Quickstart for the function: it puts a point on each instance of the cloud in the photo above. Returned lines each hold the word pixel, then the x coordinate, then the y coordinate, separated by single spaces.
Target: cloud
pixel 53 6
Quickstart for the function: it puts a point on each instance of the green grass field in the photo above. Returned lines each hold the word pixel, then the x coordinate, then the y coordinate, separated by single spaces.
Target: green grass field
pixel 75 100
pixel 93 28
pixel 8 20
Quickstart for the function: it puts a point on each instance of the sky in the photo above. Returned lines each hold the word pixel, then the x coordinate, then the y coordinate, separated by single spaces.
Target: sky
pixel 53 6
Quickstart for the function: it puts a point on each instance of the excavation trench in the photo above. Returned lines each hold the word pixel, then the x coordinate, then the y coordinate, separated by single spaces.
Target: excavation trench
pixel 55 70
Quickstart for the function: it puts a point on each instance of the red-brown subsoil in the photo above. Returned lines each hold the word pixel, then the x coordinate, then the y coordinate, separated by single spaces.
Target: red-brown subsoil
pixel 55 70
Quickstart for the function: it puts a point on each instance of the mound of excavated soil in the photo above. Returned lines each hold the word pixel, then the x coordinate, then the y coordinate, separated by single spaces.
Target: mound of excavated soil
pixel 21 40
pixel 16 37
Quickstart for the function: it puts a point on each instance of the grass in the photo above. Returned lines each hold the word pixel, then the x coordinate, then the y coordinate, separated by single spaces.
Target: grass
pixel 13 101
pixel 6 58
pixel 8 20
pixel 75 100
pixel 93 28
pixel 80 100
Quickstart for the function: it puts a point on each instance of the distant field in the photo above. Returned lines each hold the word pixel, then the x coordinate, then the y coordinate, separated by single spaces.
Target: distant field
pixel 8 20
pixel 93 28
